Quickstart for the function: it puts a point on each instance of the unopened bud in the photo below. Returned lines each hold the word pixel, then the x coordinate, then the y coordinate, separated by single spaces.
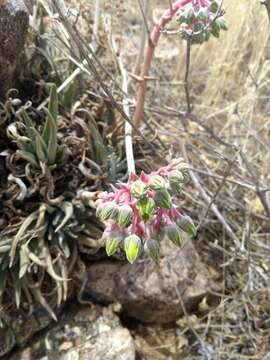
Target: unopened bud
pixel 203 14
pixel 174 234
pixel 215 5
pixel 187 225
pixel 176 176
pixel 139 189
pixel 132 247
pixel 157 182
pixel 190 15
pixel 215 29
pixel 222 23
pixel 146 208
pixel 152 249
pixel 109 211
pixel 125 214
pixel 113 240
pixel 163 199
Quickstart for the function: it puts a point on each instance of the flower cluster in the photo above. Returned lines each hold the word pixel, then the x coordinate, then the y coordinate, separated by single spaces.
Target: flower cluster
pixel 139 213
pixel 200 19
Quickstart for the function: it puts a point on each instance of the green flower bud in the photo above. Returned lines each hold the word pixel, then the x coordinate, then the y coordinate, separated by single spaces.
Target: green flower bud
pixel 175 188
pixel 163 199
pixel 174 234
pixel 190 15
pixel 176 176
pixel 215 29
pixel 125 214
pixel 187 225
pixel 200 39
pixel 139 189
pixel 132 245
pixel 222 23
pixel 146 208
pixel 157 182
pixel 112 242
pixel 182 18
pixel 206 38
pixel 215 5
pixel 152 249
pixel 203 14
pixel 199 27
pixel 109 211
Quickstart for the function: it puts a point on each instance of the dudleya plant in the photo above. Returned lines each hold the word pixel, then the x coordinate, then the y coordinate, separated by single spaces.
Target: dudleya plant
pixel 138 214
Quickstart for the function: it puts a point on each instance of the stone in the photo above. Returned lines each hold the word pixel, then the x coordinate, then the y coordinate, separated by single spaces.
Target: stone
pixel 80 339
pixel 19 327
pixel 14 22
pixel 149 292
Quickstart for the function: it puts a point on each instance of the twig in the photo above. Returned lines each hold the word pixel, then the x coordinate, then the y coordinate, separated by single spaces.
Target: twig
pixel 207 199
pixel 262 195
pixel 189 323
pixel 96 20
pixel 226 175
pixel 187 75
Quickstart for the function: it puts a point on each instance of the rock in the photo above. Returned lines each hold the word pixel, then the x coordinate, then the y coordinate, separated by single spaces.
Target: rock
pixel 19 327
pixel 7 341
pixel 14 21
pixel 89 333
pixel 150 292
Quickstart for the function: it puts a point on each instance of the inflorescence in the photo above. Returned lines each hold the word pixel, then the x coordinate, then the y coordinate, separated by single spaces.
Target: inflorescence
pixel 200 19
pixel 138 214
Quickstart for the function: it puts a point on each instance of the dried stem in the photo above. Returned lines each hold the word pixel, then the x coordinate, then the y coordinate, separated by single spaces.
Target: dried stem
pixel 187 76
pixel 96 19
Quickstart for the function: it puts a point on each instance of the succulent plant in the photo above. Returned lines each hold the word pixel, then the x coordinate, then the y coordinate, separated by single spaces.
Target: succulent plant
pixel 44 246
pixel 35 147
pixel 146 211
pixel 108 155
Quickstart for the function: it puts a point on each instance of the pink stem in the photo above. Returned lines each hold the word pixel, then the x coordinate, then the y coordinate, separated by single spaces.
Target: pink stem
pixel 152 43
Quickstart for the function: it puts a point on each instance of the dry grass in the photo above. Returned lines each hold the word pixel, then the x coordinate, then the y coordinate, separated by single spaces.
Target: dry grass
pixel 230 93
pixel 228 146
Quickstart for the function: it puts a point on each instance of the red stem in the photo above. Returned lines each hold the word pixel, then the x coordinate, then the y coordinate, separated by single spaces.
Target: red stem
pixel 152 43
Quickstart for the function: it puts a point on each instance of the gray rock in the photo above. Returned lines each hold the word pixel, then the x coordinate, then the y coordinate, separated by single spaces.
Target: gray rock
pixel 91 333
pixel 14 21
pixel 150 292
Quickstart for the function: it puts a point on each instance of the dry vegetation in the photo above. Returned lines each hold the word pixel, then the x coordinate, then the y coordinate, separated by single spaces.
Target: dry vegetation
pixel 226 141
pixel 227 144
